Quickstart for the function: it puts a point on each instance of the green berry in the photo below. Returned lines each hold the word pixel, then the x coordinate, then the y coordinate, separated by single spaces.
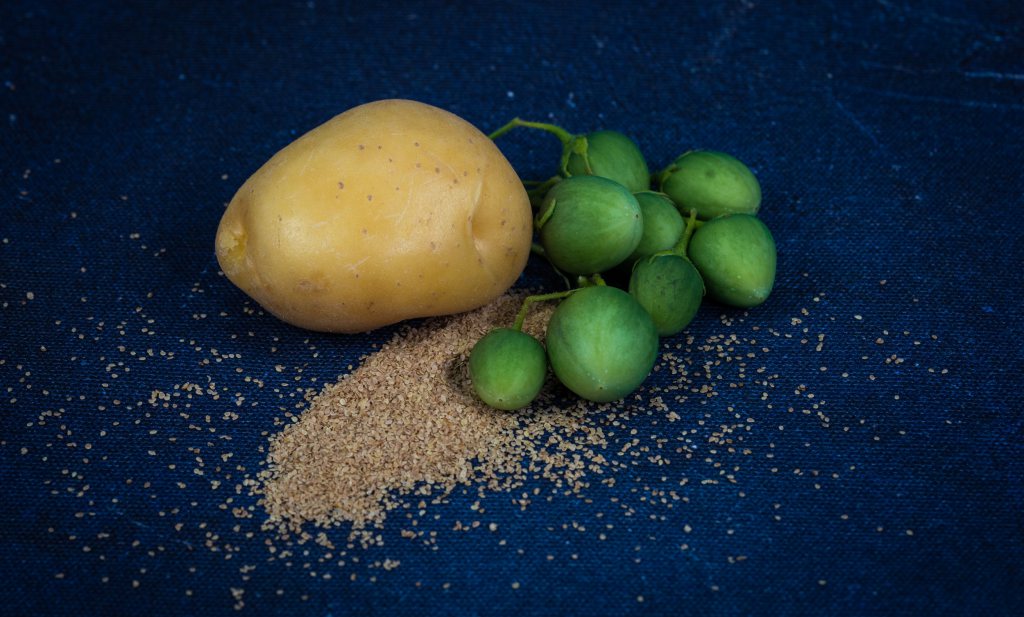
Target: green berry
pixel 669 288
pixel 712 183
pixel 588 224
pixel 735 255
pixel 663 225
pixel 602 344
pixel 508 368
pixel 611 155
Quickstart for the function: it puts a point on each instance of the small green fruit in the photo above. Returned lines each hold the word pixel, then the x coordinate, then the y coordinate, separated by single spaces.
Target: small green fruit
pixel 614 156
pixel 663 225
pixel 669 288
pixel 602 344
pixel 508 368
pixel 735 255
pixel 712 183
pixel 588 224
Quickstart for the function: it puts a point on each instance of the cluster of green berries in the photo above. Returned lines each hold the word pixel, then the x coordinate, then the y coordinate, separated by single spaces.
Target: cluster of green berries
pixel 641 262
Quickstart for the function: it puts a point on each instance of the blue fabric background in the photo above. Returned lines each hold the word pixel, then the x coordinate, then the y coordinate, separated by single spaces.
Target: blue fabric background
pixel 887 137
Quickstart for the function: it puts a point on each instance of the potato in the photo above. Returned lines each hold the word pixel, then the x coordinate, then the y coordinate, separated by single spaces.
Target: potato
pixel 392 210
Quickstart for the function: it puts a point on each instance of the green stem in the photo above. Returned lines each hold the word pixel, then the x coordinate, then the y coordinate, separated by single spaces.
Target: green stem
pixel 664 174
pixel 594 280
pixel 530 300
pixel 563 135
pixel 542 217
pixel 536 194
pixel 691 225
pixel 571 144
pixel 537 249
pixel 660 177
pixel 504 129
pixel 579 146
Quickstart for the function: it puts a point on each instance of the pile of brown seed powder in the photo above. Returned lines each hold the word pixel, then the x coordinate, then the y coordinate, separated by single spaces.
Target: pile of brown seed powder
pixel 407 422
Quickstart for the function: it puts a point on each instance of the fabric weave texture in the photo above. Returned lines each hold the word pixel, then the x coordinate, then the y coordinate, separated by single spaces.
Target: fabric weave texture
pixel 881 477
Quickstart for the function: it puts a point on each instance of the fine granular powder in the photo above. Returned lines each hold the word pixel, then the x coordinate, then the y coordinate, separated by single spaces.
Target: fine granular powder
pixel 404 431
pixel 401 451
pixel 406 422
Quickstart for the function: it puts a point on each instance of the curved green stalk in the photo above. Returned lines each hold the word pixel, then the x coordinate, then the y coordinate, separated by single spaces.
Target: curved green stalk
pixel 571 144
pixel 563 135
pixel 660 177
pixel 530 300
pixel 594 280
pixel 579 146
pixel 542 217
pixel 684 241
pixel 536 194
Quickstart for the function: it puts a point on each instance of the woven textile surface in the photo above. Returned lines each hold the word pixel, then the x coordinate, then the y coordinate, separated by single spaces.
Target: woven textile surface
pixel 866 459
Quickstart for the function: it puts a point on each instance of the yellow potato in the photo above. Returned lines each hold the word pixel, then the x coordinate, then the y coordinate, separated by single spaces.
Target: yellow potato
pixel 392 210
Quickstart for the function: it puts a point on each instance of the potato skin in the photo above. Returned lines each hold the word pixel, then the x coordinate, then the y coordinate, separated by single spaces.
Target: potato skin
pixel 392 210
